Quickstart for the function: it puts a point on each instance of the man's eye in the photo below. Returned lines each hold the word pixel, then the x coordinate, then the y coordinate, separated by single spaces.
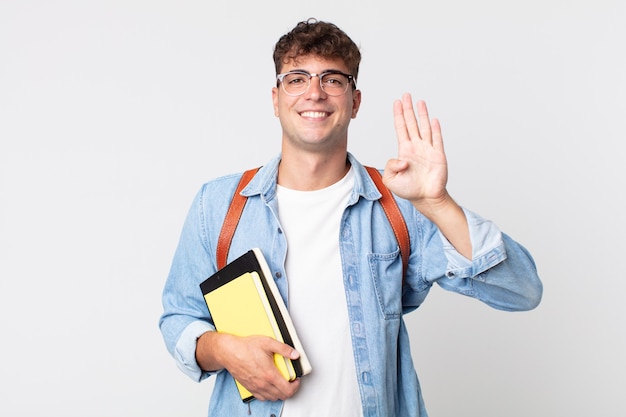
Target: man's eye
pixel 335 80
pixel 297 79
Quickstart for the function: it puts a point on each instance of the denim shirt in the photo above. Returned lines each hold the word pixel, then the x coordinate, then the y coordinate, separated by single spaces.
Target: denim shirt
pixel 502 274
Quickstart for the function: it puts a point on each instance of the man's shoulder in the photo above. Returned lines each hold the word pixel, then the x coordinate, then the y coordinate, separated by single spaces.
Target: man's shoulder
pixel 219 189
pixel 224 180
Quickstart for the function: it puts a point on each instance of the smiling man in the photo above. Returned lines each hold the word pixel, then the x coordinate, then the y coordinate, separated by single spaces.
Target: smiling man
pixel 314 213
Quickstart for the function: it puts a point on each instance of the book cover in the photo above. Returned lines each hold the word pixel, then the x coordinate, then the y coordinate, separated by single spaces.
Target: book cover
pixel 243 300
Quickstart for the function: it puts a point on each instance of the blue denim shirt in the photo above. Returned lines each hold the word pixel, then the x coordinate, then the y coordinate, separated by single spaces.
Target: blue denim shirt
pixel 502 274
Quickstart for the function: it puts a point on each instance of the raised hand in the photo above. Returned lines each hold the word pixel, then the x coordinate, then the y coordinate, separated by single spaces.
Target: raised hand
pixel 420 172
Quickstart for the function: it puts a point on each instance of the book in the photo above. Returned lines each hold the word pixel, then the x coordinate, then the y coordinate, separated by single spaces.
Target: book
pixel 243 300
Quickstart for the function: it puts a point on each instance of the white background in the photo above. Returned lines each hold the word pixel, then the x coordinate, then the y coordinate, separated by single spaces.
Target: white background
pixel 113 113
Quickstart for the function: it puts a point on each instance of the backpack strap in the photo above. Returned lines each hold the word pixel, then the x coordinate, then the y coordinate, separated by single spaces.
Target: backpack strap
pixel 394 215
pixel 231 220
pixel 390 207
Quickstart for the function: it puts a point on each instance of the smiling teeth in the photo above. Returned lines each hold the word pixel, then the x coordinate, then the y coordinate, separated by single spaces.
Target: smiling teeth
pixel 313 114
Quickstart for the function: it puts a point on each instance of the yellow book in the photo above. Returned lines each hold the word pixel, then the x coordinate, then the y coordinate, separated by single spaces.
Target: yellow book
pixel 243 302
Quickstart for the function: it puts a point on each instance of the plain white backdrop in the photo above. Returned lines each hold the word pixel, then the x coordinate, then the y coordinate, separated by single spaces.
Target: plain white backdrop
pixel 113 113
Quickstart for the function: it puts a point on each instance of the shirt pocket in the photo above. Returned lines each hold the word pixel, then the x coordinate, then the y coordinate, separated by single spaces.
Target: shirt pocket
pixel 386 270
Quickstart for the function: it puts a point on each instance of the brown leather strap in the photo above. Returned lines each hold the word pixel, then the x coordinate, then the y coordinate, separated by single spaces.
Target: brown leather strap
pixel 390 207
pixel 395 217
pixel 232 219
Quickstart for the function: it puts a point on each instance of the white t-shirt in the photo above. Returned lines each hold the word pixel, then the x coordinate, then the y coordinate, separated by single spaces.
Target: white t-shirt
pixel 317 300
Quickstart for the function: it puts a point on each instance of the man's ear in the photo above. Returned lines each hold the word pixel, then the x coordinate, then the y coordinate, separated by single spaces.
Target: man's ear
pixel 275 101
pixel 356 102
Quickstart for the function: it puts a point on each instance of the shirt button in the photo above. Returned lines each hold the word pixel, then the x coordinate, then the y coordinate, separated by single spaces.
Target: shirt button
pixel 366 378
pixel 278 274
pixel 351 280
pixel 450 274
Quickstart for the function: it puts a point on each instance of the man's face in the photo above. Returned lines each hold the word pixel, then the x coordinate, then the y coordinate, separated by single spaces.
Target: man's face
pixel 315 121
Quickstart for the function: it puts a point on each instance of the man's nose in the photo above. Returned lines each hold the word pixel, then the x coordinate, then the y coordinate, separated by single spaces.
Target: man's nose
pixel 315 87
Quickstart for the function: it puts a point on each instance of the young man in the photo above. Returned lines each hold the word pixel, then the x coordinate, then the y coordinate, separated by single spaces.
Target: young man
pixel 314 213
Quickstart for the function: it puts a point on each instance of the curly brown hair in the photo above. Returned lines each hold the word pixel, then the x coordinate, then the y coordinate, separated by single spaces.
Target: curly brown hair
pixel 323 39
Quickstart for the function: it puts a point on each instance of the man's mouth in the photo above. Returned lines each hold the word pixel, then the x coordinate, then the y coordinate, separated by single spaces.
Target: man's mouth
pixel 314 114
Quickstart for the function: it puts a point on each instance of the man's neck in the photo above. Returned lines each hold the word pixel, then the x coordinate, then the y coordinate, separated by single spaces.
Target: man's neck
pixel 307 172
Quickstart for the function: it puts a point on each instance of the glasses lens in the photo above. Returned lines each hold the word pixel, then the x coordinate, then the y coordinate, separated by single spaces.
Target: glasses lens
pixel 295 83
pixel 335 84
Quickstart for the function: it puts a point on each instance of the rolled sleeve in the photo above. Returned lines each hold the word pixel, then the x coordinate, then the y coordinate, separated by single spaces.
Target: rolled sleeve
pixel 487 248
pixel 185 350
pixel 501 274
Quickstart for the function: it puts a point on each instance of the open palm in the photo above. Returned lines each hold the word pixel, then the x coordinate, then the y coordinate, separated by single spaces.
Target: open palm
pixel 420 172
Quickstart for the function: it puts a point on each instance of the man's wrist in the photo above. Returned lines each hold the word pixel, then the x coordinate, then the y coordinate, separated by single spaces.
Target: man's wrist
pixel 207 351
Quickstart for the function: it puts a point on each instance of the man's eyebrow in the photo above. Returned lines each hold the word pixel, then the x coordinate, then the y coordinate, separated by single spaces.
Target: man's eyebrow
pixel 323 71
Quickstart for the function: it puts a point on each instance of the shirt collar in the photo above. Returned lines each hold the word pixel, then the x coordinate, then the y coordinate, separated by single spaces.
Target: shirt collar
pixel 264 182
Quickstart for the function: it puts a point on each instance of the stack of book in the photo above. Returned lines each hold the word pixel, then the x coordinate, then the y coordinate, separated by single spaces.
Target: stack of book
pixel 243 300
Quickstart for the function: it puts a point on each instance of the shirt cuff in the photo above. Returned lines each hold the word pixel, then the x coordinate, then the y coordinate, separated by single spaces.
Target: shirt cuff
pixel 185 350
pixel 487 248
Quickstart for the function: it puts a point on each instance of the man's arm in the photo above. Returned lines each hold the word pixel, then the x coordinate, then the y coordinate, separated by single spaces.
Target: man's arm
pixel 420 174
pixel 189 333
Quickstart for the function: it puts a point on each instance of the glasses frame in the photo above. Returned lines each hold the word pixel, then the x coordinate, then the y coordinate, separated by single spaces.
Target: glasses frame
pixel 350 77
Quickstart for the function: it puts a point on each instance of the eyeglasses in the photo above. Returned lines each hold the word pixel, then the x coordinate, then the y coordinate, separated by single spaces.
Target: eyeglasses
pixel 333 83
